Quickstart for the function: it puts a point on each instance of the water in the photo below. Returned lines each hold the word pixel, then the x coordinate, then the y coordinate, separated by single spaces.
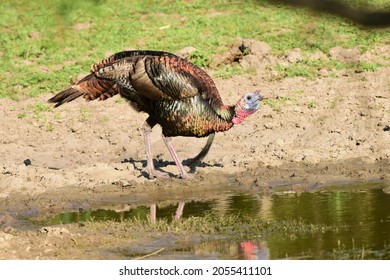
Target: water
pixel 361 221
pixel 356 224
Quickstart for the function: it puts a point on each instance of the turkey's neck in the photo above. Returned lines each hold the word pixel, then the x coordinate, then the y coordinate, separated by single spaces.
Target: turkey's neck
pixel 211 121
pixel 224 122
pixel 221 126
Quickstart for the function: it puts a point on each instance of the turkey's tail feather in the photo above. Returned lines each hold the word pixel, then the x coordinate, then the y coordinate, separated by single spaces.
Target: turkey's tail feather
pixel 65 96
pixel 90 87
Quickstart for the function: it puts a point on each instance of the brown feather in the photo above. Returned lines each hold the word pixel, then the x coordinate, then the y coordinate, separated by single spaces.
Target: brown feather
pixel 90 87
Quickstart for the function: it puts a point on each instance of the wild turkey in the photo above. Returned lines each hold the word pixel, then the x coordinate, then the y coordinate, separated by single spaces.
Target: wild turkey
pixel 176 94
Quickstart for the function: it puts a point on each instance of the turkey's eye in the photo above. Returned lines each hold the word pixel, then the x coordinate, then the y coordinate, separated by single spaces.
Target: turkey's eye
pixel 248 97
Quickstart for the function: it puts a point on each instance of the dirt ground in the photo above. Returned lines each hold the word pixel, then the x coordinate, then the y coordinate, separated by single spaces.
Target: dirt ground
pixel 313 132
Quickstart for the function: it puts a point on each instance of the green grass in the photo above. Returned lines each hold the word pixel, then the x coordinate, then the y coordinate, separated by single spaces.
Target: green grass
pixel 39 114
pixel 85 114
pixel 296 70
pixel 309 68
pixel 312 104
pixel 229 226
pixel 277 103
pixel 42 48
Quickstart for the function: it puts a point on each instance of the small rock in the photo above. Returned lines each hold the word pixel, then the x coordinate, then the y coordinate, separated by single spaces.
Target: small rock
pixel 294 56
pixel 5 236
pixel 34 34
pixel 27 162
pixel 82 26
pixel 252 46
pixel 164 27
pixel 323 72
pixel 386 190
pixel 344 55
pixel 54 231
pixel 318 55
pixel 26 62
pixel 45 69
pixel 251 50
pixel 186 52
pixel 10 230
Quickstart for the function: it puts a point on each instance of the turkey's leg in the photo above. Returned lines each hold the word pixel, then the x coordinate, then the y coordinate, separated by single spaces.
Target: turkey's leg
pixel 153 212
pixel 168 143
pixel 179 210
pixel 178 214
pixel 147 130
pixel 203 152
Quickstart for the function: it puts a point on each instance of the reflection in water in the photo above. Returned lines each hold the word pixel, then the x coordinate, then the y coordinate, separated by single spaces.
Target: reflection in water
pixel 178 214
pixel 360 222
pixel 363 219
pixel 152 212
pixel 245 250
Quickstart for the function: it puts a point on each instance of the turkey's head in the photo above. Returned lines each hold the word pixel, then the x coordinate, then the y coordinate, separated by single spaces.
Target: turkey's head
pixel 247 105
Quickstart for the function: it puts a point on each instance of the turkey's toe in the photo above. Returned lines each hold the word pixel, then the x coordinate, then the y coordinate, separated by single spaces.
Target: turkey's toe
pixel 157 174
pixel 186 175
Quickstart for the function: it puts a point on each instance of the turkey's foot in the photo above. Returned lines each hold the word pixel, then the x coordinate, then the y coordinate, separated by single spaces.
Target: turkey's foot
pixel 153 173
pixel 185 175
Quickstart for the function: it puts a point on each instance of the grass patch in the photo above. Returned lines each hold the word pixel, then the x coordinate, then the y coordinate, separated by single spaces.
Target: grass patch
pixel 44 44
pixel 296 70
pixel 309 68
pixel 229 226
pixel 312 104
pixel 370 67
pixel 85 114
pixel 277 103
pixel 228 71
pixel 37 113
pixel 21 115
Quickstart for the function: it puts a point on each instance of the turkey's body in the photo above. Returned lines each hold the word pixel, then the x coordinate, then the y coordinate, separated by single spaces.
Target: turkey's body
pixel 189 117
pixel 179 96
pixel 176 94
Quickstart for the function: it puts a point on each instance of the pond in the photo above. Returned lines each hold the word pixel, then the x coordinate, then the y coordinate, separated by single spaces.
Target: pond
pixel 353 223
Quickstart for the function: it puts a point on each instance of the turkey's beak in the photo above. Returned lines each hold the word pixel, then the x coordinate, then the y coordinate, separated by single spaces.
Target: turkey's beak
pixel 261 97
